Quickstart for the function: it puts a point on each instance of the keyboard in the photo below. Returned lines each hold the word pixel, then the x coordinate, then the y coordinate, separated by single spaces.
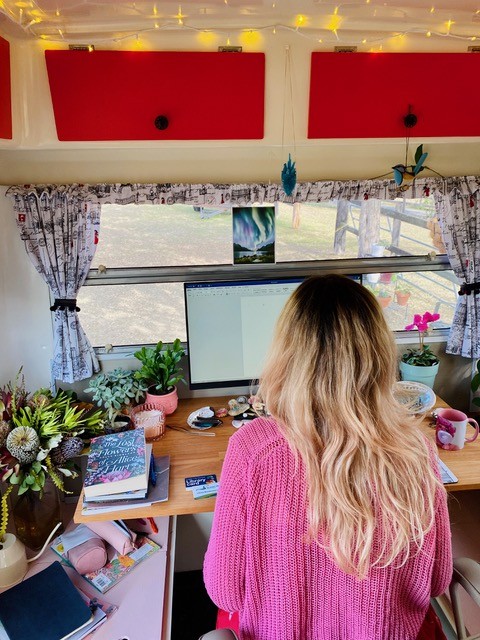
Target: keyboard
pixel 447 476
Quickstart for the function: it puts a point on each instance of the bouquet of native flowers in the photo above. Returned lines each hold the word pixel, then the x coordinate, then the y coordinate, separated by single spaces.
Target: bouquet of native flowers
pixel 40 433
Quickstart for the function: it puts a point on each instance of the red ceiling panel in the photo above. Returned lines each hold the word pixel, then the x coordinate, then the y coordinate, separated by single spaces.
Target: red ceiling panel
pixel 366 95
pixel 5 91
pixel 117 95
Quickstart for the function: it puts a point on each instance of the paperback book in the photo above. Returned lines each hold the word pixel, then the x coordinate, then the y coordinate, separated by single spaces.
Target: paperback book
pixel 121 565
pixel 117 463
pixel 157 492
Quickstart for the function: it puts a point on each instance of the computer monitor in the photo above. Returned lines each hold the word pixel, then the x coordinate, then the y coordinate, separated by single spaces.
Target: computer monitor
pixel 230 327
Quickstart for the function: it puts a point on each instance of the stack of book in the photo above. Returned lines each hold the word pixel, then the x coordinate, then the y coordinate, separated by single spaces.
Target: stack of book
pixel 122 473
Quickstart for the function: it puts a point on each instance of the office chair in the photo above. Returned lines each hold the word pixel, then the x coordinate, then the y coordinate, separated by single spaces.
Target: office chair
pixel 466 574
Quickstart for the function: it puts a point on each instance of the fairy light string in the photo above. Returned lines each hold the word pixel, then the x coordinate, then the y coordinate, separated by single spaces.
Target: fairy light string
pixel 37 23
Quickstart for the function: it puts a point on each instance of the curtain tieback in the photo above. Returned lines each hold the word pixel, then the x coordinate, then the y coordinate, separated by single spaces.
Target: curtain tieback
pixel 65 304
pixel 467 289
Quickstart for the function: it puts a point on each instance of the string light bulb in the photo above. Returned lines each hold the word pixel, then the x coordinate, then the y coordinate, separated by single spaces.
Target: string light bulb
pixel 299 21
pixel 180 15
pixel 428 34
pixel 432 9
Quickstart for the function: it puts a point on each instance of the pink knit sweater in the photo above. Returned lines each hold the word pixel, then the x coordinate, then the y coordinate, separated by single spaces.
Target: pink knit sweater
pixel 257 562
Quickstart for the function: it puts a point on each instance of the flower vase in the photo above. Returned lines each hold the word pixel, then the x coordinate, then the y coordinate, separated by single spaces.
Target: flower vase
pixel 35 514
pixel 413 373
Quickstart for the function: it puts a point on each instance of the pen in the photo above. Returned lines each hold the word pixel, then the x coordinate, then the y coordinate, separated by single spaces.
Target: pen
pixel 153 524
pixel 152 473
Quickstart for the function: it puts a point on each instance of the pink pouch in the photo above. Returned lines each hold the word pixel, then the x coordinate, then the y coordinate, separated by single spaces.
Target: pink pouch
pixel 113 533
pixel 88 556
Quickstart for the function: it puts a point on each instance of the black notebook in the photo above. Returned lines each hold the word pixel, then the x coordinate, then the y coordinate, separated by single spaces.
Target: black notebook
pixel 46 606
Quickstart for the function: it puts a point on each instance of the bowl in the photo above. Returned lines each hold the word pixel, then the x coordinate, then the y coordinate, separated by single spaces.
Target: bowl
pixel 417 397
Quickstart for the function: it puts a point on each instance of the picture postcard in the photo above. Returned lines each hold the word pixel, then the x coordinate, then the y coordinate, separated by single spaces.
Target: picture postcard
pixel 198 481
pixel 253 235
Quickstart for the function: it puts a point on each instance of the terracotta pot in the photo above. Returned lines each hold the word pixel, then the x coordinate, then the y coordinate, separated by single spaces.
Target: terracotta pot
pixel 168 401
pixel 402 298
pixel 384 302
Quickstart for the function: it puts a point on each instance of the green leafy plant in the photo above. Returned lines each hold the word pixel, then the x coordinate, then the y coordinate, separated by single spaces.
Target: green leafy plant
pixel 116 390
pixel 423 355
pixel 475 384
pixel 402 287
pixel 384 293
pixel 160 366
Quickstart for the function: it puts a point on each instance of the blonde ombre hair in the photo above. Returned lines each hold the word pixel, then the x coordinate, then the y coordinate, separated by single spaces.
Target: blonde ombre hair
pixel 328 382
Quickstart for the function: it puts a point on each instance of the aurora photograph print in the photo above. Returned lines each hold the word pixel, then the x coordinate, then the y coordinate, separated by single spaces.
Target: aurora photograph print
pixel 253 235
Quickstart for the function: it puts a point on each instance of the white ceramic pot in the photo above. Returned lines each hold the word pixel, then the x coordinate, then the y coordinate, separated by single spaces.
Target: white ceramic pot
pixel 425 375
pixel 13 560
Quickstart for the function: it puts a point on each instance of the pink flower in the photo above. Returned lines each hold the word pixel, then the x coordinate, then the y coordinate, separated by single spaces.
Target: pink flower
pixel 420 323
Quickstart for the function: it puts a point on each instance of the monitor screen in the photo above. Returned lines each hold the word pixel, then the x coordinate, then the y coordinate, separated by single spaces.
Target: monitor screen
pixel 229 328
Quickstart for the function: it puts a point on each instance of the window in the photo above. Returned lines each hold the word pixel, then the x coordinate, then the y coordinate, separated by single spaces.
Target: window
pixel 150 250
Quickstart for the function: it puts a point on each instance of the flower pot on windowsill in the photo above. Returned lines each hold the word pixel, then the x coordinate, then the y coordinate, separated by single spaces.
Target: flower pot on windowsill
pixel 166 401
pixel 415 373
pixel 384 301
pixel 402 298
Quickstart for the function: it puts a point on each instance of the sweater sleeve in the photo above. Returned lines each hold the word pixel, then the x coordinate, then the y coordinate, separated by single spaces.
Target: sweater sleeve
pixel 224 564
pixel 443 563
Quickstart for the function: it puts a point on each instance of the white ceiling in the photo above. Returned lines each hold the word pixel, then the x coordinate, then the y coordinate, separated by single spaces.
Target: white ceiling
pixel 77 20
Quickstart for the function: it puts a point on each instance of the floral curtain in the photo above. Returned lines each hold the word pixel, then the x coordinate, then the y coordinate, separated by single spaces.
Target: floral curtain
pixel 60 230
pixel 459 217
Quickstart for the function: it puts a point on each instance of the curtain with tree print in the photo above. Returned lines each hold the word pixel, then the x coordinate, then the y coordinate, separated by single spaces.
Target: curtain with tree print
pixel 459 218
pixel 60 232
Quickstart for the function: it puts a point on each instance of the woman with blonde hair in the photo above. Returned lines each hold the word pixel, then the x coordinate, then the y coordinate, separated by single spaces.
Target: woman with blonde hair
pixel 331 521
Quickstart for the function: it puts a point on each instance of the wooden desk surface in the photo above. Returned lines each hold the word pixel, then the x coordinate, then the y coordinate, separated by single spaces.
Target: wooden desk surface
pixel 195 455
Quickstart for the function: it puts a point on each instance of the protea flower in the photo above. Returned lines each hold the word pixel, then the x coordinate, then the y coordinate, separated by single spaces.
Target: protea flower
pixel 23 443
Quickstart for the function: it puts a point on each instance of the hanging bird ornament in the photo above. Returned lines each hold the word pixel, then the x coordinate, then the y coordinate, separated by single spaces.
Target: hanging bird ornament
pixel 406 173
pixel 289 176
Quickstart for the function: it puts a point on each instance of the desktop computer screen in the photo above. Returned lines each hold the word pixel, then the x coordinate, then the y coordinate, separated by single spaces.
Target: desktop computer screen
pixel 230 327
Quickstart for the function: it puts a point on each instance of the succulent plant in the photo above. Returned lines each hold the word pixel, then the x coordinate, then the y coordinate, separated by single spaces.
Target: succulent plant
pixel 116 390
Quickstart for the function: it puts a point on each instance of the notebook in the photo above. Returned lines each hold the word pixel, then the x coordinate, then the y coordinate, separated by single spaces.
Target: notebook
pixel 46 606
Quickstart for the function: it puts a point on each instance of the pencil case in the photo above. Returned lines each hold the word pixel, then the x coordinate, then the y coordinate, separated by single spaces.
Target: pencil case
pixel 121 540
pixel 88 556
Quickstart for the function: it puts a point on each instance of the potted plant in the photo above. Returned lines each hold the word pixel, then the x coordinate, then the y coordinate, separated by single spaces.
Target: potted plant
pixel 378 248
pixel 115 391
pixel 402 294
pixel 160 370
pixel 420 364
pixel 39 437
pixel 384 297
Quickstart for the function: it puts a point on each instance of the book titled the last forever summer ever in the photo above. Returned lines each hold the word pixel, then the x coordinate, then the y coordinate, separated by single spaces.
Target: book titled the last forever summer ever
pixel 117 463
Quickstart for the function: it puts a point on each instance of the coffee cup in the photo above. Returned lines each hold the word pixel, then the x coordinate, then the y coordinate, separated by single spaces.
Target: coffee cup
pixel 451 429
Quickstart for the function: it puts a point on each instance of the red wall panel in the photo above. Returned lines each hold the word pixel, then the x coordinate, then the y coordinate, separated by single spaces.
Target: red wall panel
pixel 5 91
pixel 116 95
pixel 366 95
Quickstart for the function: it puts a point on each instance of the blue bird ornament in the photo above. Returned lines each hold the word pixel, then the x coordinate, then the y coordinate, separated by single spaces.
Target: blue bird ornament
pixel 403 173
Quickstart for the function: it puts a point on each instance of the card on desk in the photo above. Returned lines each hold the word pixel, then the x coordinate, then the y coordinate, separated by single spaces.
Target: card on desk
pixel 46 606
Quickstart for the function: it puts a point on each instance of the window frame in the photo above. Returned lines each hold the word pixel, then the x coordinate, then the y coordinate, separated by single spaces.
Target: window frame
pixel 389 264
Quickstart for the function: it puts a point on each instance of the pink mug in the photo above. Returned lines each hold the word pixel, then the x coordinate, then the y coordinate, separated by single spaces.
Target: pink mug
pixel 451 429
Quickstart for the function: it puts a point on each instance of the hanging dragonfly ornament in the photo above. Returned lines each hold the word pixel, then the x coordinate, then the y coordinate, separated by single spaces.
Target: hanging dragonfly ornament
pixel 406 173
pixel 289 176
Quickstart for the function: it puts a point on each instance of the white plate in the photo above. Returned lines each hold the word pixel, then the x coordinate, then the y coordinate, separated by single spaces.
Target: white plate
pixel 417 396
